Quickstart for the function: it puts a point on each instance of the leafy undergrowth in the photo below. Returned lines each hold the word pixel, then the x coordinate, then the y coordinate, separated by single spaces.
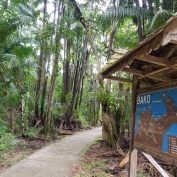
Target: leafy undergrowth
pixel 21 148
pixel 101 161
pixel 13 149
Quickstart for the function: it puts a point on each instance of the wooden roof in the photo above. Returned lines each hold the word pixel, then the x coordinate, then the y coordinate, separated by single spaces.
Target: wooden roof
pixel 153 61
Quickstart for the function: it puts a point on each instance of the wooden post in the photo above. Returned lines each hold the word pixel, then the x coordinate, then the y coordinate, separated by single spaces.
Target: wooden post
pixel 133 156
pixel 133 163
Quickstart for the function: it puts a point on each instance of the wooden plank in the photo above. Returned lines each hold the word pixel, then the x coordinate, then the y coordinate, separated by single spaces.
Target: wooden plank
pixel 120 79
pixel 156 165
pixel 155 153
pixel 156 77
pixel 133 163
pixel 154 60
pixel 151 72
pixel 174 61
pixel 173 41
pixel 133 71
pixel 160 78
pixel 168 51
pixel 156 71
pixel 171 83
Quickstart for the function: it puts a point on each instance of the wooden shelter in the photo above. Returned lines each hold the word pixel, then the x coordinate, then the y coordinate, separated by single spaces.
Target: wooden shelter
pixel 153 65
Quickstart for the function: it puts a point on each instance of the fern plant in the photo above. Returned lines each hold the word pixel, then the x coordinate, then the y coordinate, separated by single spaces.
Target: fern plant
pixel 105 98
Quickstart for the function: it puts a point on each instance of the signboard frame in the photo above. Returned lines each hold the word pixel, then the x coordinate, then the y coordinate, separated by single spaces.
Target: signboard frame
pixel 166 156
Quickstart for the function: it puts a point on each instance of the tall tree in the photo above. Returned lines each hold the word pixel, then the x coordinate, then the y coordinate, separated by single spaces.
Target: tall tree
pixel 50 100
pixel 42 60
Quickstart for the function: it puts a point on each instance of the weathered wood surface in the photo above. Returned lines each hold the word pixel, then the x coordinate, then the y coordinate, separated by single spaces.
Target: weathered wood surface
pixel 156 165
pixel 156 57
pixel 133 164
pixel 132 155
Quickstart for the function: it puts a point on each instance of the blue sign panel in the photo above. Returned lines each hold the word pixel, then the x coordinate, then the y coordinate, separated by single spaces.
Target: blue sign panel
pixel 156 120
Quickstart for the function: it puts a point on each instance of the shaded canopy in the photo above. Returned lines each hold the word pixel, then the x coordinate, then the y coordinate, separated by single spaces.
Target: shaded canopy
pixel 153 61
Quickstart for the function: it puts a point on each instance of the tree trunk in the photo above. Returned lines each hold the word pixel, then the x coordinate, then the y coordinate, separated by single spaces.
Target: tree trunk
pixel 44 89
pixel 23 121
pixel 82 20
pixel 140 28
pixel 12 122
pixel 109 131
pixel 48 120
pixel 42 62
pixel 150 6
pixel 22 94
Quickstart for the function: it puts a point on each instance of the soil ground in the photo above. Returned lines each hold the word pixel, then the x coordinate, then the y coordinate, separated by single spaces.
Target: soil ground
pixel 100 160
pixel 27 146
pixel 24 148
pixel 56 159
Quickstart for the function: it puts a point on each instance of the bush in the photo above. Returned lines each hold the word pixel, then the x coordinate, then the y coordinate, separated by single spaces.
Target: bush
pixel 3 128
pixel 7 142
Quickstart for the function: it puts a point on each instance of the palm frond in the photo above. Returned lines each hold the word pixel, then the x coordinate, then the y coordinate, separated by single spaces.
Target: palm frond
pixel 27 11
pixel 9 61
pixel 7 27
pixel 125 11
pixel 159 19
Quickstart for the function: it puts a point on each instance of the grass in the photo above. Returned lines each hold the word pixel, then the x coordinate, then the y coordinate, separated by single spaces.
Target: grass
pixel 90 167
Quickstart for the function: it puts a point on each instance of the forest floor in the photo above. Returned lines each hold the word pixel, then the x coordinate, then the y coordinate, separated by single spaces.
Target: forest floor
pixel 102 161
pixel 23 148
pixel 53 160
pixel 98 161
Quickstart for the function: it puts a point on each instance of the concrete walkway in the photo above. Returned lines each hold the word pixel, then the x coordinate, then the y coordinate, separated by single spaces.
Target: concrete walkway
pixel 55 160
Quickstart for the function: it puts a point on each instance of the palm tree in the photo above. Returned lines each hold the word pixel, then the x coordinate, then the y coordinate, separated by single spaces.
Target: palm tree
pixel 15 62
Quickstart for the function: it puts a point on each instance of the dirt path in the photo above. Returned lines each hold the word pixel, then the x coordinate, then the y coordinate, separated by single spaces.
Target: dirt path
pixel 55 160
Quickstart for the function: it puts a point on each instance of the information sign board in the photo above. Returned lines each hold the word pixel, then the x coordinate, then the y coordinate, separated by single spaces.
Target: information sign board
pixel 156 122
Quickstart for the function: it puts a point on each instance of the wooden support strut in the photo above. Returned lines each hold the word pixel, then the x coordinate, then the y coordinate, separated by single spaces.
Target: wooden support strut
pixel 154 60
pixel 149 75
pixel 119 79
pixel 133 117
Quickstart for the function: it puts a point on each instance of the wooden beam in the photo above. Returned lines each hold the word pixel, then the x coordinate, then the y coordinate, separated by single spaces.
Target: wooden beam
pixel 119 79
pixel 173 41
pixel 174 61
pixel 151 72
pixel 160 78
pixel 156 71
pixel 154 60
pixel 135 86
pixel 168 51
pixel 157 85
pixel 149 75
pixel 147 80
pixel 133 71
pixel 155 77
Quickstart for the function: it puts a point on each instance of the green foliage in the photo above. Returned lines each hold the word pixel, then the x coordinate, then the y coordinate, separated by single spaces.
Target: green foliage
pixel 127 36
pixel 107 99
pixel 122 113
pixel 32 132
pixel 159 19
pixel 122 12
pixel 69 97
pixel 81 117
pixel 3 128
pixel 7 142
